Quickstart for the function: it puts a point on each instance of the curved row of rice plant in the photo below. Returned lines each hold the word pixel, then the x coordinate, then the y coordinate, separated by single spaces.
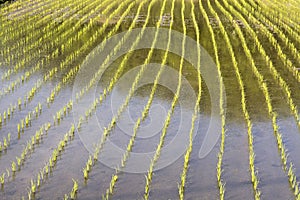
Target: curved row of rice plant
pixel 62 43
pixel 42 48
pixel 269 13
pixel 144 114
pixel 108 129
pixel 54 92
pixel 170 111
pixel 280 81
pixel 273 115
pixel 287 62
pixel 285 12
pixel 78 126
pixel 33 50
pixel 51 97
pixel 253 172
pixel 36 138
pixel 196 111
pixel 221 182
pixel 53 159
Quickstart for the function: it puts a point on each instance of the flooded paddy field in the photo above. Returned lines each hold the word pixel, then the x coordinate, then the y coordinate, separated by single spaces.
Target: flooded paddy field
pixel 160 99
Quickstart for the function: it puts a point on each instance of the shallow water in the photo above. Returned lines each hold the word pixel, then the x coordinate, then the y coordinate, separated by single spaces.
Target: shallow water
pixel 201 181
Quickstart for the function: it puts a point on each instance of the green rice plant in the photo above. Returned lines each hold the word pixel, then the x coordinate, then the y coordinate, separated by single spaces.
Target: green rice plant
pixel 109 191
pixel 254 178
pixel 281 82
pixel 19 161
pixel 109 127
pixel 19 127
pixel 181 186
pixel 120 69
pixel 29 194
pixel 28 149
pixel 2 179
pixel 168 118
pixel 222 112
pixel 8 112
pixel 5 144
pixel 33 187
pixel 52 161
pixel 70 134
pixel 10 26
pixel 46 169
pixel 123 106
pixel 36 6
pixel 63 63
pixel 87 168
pixel 280 11
pixel 85 173
pixel 39 133
pixel 282 22
pixel 10 7
pixel 74 190
pixel 38 181
pixel 27 121
pixel 66 197
pixel 13 167
pixel 263 86
pixel 287 62
pixel 72 72
pixel 37 32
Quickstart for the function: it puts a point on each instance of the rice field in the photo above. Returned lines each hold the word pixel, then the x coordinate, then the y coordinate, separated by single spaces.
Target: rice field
pixel 150 99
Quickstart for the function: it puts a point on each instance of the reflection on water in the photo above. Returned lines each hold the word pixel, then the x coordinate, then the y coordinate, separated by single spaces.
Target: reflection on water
pixel 201 178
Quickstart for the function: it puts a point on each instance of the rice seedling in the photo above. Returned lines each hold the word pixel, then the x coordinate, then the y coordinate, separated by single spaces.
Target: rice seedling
pixel 33 187
pixel 28 149
pixel 44 42
pixel 181 187
pixel 85 173
pixel 112 123
pixel 43 20
pixel 273 115
pixel 5 144
pixel 39 133
pixel 66 197
pixel 13 167
pixel 4 115
pixel 39 83
pixel 254 178
pixel 53 159
pixel 114 179
pixel 168 118
pixel 123 106
pixel 74 190
pixel 19 161
pixel 287 62
pixel 279 11
pixel 37 6
pixel 222 111
pixel 281 82
pixel 2 179
pixel 283 23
